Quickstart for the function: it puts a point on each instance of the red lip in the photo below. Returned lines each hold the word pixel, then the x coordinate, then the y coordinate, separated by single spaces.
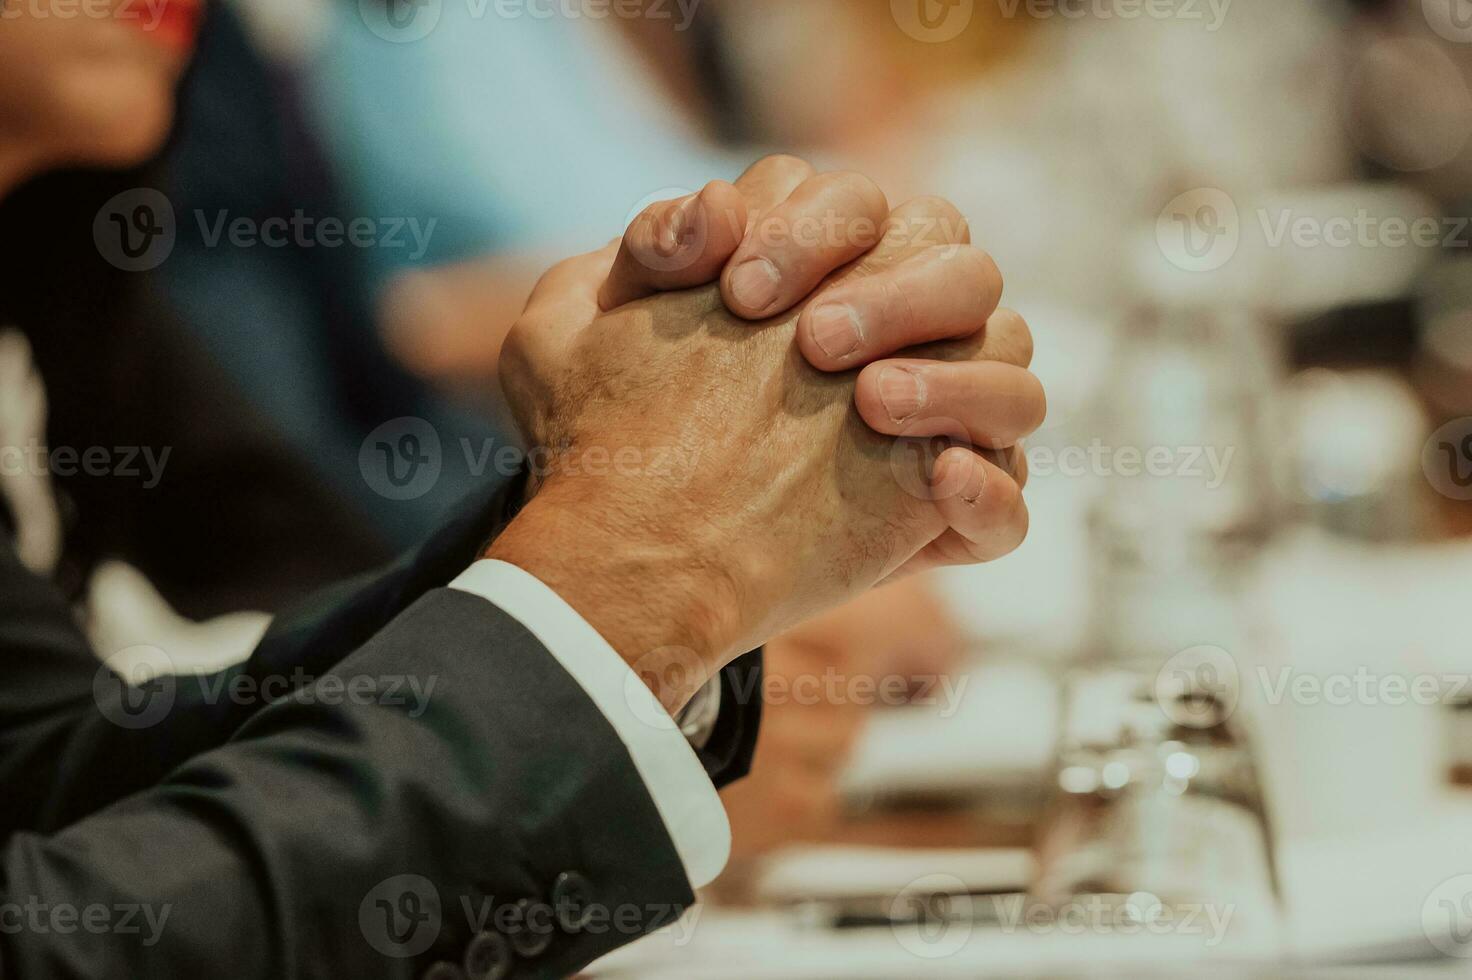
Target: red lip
pixel 172 23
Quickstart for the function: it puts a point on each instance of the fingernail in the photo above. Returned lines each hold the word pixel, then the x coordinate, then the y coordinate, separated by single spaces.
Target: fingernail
pixel 902 392
pixel 837 330
pixel 975 484
pixel 754 284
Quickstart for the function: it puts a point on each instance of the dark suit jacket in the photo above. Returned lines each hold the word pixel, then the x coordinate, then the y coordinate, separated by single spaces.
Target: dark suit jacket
pixel 177 831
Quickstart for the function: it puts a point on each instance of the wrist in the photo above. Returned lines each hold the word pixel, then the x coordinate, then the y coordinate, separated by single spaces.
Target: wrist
pixel 659 607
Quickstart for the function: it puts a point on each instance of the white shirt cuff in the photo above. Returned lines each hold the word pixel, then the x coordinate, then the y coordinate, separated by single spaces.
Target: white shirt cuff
pixel 677 782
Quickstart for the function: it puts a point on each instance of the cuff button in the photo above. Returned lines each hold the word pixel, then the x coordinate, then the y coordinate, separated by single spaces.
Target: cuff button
pixel 488 957
pixel 533 932
pixel 572 900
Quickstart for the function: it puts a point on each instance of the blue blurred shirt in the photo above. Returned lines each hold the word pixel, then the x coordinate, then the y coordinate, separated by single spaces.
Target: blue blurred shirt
pixel 511 133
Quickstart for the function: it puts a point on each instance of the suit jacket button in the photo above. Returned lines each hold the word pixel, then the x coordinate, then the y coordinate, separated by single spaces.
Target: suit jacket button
pixel 572 900
pixel 443 971
pixel 488 957
pixel 533 932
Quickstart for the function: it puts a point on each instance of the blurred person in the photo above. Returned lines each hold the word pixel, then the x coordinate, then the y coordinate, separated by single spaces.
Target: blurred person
pixel 123 371
pixel 305 310
pixel 351 124
pixel 535 771
pixel 1038 117
pixel 608 111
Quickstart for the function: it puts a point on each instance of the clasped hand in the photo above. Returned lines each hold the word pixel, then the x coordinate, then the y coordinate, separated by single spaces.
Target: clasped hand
pixel 845 406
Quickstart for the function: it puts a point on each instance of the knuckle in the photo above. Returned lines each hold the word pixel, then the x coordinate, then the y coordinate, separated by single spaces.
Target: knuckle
pixel 783 165
pixel 983 270
pixel 564 268
pixel 973 267
pixel 1012 336
pixel 865 195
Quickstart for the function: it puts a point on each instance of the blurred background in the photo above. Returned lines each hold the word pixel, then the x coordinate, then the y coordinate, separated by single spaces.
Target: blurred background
pixel 1217 711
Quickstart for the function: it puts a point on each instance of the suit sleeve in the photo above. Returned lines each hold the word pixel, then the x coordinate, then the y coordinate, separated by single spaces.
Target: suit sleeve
pixel 71 737
pixel 74 738
pixel 444 802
